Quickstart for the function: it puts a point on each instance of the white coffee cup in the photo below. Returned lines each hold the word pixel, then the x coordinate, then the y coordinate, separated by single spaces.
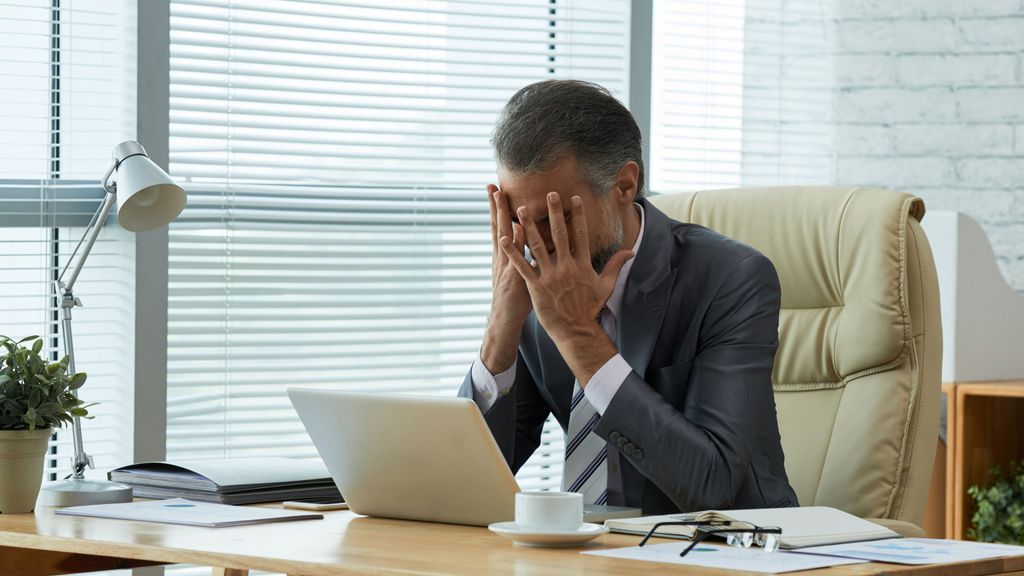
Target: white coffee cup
pixel 551 511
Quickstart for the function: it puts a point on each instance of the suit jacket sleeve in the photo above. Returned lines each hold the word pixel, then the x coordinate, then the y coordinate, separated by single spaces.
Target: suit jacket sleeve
pixel 698 455
pixel 517 419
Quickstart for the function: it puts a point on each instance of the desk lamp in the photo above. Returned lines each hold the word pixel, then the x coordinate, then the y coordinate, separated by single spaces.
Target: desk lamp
pixel 146 198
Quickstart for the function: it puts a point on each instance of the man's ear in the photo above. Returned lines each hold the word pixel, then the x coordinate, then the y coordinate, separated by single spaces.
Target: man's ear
pixel 625 188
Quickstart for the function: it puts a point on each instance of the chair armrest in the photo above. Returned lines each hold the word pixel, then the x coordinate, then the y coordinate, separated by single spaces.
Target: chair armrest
pixel 901 527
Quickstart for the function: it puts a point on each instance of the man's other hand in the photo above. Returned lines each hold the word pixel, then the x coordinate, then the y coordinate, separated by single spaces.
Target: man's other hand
pixel 510 299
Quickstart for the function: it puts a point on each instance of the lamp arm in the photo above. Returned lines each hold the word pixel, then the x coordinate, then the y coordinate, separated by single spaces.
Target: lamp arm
pixel 69 301
pixel 89 238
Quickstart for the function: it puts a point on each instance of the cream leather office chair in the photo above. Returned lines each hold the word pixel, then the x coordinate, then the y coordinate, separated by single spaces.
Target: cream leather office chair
pixel 857 373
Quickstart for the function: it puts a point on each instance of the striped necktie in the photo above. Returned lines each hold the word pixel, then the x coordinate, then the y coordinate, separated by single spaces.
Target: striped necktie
pixel 586 456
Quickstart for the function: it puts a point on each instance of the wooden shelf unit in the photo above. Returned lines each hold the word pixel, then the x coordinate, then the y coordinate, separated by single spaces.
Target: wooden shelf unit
pixel 985 427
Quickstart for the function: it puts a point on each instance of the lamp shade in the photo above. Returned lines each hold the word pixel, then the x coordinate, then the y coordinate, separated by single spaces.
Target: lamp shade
pixel 147 198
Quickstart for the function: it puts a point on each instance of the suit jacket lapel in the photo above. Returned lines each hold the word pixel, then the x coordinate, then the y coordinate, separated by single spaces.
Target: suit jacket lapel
pixel 647 291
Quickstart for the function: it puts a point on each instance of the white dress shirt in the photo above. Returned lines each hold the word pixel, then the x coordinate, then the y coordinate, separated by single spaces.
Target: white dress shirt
pixel 487 387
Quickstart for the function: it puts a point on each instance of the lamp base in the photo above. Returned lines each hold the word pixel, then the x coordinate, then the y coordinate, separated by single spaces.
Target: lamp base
pixel 75 492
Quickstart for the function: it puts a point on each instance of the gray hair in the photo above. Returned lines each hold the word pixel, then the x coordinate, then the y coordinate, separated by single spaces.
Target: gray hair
pixel 544 122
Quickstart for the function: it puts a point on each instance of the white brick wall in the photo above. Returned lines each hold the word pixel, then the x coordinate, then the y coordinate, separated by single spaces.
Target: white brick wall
pixel 954 139
pixel 957 69
pixel 1005 32
pixel 894 104
pixel 929 98
pixel 990 104
pixel 925 96
pixel 913 9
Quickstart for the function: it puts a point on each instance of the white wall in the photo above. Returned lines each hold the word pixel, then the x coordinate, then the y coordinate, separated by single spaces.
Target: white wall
pixel 925 96
pixel 929 99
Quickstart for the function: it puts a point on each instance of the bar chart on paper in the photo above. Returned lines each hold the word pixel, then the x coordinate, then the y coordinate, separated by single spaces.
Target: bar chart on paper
pixel 918 550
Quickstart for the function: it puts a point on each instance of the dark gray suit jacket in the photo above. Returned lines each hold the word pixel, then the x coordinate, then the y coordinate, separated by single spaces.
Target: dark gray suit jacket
pixel 695 421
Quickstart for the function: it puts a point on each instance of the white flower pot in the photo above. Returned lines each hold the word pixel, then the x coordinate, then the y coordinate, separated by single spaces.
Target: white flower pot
pixel 21 468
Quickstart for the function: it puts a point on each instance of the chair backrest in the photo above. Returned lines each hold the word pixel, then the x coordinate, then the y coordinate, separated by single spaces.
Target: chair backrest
pixel 857 373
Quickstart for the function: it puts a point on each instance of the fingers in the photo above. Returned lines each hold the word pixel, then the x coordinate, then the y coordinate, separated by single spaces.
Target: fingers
pixel 533 237
pixel 581 240
pixel 528 272
pixel 559 234
pixel 518 237
pixel 504 214
pixel 491 189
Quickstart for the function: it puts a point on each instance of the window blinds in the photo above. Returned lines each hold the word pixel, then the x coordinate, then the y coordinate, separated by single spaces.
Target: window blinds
pixel 696 95
pixel 740 94
pixel 68 99
pixel 335 156
pixel 69 86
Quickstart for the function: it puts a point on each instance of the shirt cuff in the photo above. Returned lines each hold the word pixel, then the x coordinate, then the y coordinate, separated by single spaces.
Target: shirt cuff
pixel 487 387
pixel 606 382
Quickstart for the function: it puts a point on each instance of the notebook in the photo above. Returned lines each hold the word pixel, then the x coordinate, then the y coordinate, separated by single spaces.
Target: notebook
pixel 801 527
pixel 229 480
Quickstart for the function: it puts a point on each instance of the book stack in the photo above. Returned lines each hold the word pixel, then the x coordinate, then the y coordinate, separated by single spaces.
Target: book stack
pixel 229 481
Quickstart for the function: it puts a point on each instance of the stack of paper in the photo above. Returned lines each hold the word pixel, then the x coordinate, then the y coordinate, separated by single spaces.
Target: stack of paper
pixel 180 511
pixel 229 481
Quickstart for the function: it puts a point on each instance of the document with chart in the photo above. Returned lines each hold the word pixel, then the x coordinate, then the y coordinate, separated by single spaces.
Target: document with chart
pixel 917 550
pixel 725 557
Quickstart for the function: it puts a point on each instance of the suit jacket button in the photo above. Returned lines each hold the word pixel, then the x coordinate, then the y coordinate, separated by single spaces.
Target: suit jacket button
pixel 621 442
pixel 614 436
pixel 629 449
pixel 638 454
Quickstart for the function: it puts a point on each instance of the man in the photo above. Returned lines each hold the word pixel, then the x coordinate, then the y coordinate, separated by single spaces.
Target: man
pixel 651 341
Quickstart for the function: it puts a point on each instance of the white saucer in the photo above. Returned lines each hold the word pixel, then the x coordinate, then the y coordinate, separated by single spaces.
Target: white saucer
pixel 562 538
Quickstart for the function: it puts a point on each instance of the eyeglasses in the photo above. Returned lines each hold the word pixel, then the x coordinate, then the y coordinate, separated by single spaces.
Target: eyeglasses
pixel 766 537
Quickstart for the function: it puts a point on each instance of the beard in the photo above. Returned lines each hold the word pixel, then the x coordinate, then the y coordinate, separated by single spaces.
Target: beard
pixel 612 240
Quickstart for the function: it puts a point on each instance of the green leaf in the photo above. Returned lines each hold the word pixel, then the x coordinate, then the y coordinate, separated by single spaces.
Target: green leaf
pixel 27 338
pixel 77 381
pixel 35 393
pixel 999 507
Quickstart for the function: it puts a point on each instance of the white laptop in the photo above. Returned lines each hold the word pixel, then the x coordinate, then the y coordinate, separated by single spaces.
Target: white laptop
pixel 409 457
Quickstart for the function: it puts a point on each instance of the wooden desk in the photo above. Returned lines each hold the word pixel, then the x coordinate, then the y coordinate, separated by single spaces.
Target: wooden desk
pixel 342 543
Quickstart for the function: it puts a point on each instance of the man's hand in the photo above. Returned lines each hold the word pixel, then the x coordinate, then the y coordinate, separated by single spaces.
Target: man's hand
pixel 510 301
pixel 567 293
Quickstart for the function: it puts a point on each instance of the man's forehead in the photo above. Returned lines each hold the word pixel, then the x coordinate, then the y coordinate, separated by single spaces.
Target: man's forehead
pixel 522 188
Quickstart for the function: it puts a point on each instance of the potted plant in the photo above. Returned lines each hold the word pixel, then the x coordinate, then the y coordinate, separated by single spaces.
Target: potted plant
pixel 35 397
pixel 999 507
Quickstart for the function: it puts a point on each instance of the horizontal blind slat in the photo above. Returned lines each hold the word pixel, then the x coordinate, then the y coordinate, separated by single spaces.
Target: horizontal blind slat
pixel 276 270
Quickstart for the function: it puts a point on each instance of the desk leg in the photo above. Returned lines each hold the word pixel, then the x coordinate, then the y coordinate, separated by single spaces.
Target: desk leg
pixel 230 572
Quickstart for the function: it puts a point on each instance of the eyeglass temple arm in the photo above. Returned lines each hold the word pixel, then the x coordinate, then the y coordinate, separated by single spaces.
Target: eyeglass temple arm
pixel 655 529
pixel 676 523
